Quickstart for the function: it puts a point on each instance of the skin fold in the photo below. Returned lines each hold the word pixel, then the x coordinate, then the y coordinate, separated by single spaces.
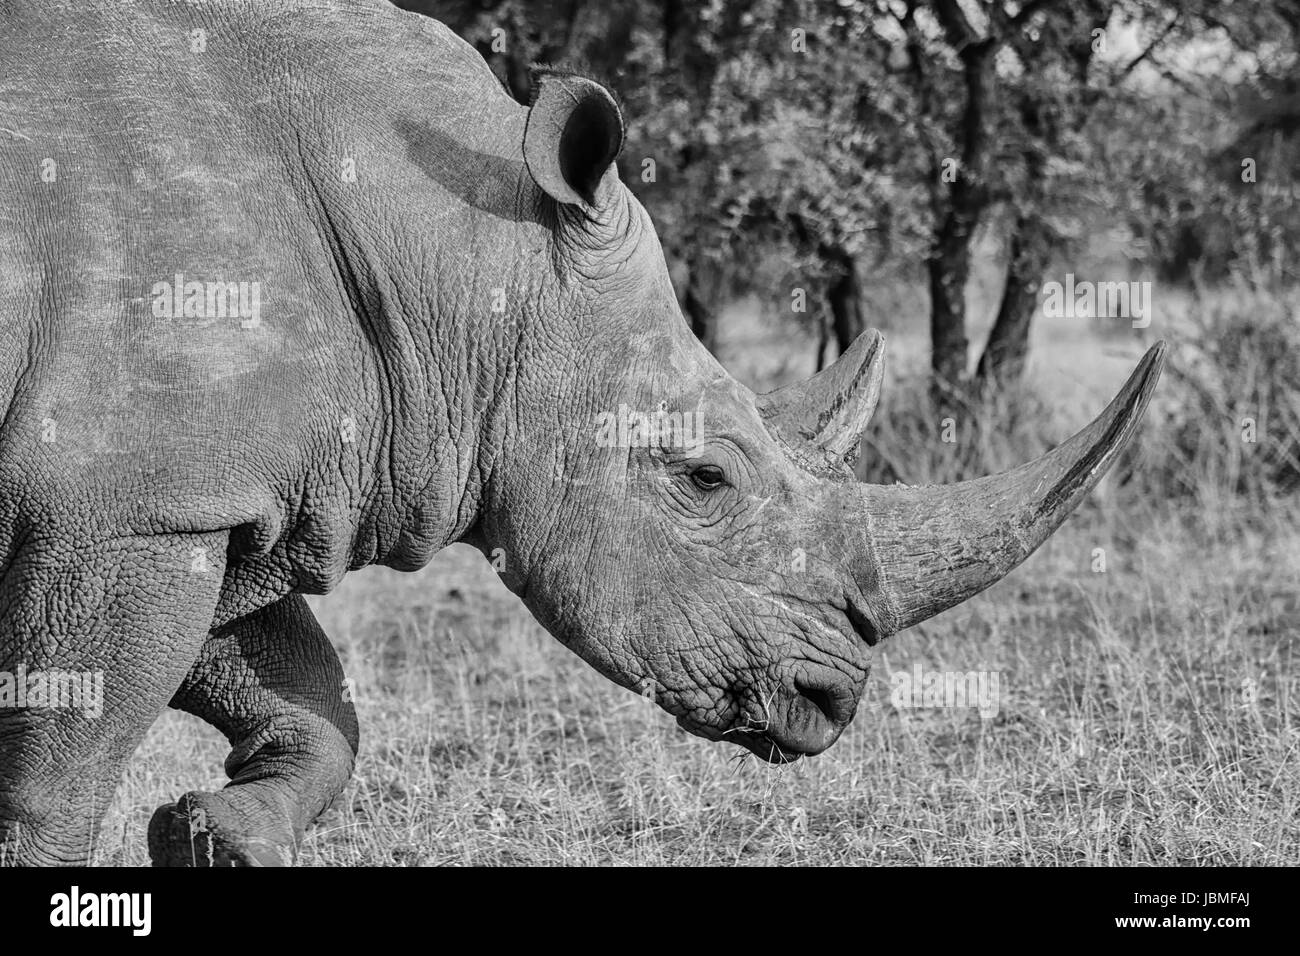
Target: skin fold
pixel 454 294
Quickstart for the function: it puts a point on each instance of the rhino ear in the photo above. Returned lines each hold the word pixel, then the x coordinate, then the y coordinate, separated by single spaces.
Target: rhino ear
pixel 574 133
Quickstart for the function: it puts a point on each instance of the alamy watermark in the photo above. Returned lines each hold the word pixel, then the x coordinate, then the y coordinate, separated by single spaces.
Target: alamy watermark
pixel 631 428
pixel 1098 300
pixel 74 908
pixel 921 688
pixel 181 299
pixel 55 690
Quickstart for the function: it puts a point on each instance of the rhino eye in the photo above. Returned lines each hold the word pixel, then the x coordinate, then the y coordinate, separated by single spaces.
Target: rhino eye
pixel 708 478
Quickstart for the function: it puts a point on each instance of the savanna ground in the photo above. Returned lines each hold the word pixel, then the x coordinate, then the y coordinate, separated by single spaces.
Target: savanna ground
pixel 1147 712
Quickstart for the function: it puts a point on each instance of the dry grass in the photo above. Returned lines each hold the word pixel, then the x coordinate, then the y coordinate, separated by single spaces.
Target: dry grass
pixel 1148 715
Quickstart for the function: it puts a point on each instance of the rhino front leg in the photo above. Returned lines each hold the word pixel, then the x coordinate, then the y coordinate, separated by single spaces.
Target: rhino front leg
pixel 272 683
pixel 95 636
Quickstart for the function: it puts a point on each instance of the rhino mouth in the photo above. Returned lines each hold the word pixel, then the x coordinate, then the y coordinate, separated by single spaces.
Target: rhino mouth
pixel 756 741
pixel 764 745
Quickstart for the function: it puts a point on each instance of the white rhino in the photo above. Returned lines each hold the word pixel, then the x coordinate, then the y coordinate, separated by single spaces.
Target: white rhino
pixel 288 289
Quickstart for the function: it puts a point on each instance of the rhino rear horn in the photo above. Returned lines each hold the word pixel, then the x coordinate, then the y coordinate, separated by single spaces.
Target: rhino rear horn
pixel 833 408
pixel 573 135
pixel 935 546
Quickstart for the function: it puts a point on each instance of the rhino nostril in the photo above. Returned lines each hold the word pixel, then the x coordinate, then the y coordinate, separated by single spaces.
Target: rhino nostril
pixel 815 707
pixel 821 698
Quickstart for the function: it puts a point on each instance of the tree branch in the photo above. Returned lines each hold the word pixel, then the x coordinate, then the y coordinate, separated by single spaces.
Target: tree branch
pixel 956 25
pixel 1160 38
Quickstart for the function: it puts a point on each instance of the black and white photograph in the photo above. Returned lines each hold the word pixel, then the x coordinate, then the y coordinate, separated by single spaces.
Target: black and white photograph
pixel 650 433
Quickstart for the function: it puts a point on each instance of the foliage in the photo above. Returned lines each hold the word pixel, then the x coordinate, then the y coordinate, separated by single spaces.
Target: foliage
pixel 779 143
pixel 1231 425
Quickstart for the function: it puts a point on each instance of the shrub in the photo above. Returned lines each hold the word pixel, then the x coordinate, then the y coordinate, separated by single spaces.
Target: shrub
pixel 1228 419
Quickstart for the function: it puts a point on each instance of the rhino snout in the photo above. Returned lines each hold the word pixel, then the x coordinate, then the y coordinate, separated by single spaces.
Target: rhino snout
pixel 802 717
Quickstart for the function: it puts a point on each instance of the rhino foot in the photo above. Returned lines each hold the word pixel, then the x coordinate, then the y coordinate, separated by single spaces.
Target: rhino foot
pixel 272 683
pixel 203 829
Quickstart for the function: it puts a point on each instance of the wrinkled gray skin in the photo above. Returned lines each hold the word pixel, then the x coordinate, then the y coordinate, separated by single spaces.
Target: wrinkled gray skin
pixel 169 488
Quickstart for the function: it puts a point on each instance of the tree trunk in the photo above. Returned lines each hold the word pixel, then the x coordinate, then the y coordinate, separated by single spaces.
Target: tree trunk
pixel 823 340
pixel 1007 349
pixel 703 318
pixel 844 295
pixel 959 206
pixel 948 266
pixel 1045 125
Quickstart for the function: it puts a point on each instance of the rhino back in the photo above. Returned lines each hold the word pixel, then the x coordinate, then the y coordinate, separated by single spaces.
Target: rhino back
pixel 133 162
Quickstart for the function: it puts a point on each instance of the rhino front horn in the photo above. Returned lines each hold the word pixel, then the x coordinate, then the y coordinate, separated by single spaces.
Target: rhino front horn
pixel 831 409
pixel 935 546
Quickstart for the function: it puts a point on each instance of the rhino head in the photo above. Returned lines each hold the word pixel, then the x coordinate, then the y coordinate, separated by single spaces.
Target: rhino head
pixel 697 542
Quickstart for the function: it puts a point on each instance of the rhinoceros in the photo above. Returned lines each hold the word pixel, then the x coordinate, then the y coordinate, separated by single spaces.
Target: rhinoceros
pixel 288 289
